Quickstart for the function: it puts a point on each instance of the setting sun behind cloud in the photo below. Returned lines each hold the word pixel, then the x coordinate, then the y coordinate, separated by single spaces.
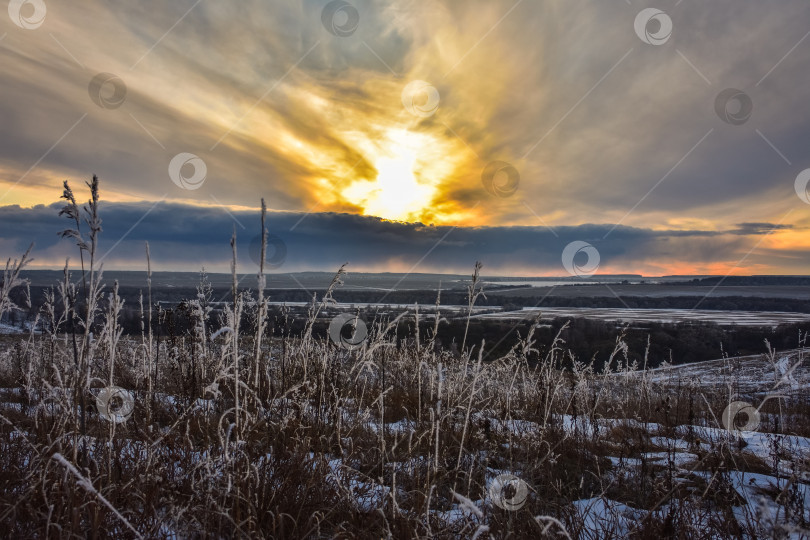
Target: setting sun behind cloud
pixel 406 182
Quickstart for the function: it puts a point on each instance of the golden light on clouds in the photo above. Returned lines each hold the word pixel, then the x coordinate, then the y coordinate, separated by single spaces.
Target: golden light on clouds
pixel 787 240
pixel 410 169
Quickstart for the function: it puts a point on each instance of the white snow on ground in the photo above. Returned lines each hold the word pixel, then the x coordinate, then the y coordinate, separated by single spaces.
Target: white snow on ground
pixel 6 328
pixel 679 459
pixel 12 406
pixel 349 306
pixel 666 442
pixel 759 444
pixel 752 485
pixel 753 374
pixel 401 426
pixel 723 318
pixel 757 489
pixel 603 516
pixel 600 515
pixel 624 463
pixel 785 372
pixel 518 428
pixel 367 494
pixel 9 329
pixel 748 374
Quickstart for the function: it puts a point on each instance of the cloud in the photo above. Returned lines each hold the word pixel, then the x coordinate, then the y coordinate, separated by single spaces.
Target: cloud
pixel 185 237
pixel 602 127
pixel 759 228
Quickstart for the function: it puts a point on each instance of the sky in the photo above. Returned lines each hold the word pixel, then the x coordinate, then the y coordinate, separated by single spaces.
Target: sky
pixel 540 137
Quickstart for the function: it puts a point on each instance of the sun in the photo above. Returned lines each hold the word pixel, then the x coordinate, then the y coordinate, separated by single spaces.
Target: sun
pixel 398 194
pixel 404 186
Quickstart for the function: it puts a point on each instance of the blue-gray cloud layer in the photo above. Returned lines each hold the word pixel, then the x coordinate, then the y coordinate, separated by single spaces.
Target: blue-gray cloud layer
pixel 183 237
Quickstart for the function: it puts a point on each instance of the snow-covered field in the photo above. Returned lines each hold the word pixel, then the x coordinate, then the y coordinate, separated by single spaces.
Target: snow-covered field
pixel 787 373
pixel 629 466
pixel 723 318
pixel 6 328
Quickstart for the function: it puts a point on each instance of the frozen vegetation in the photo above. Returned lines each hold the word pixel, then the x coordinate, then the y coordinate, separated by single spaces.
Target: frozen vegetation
pixel 227 430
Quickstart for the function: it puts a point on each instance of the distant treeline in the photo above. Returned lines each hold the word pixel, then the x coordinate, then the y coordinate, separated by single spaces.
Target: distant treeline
pixel 747 281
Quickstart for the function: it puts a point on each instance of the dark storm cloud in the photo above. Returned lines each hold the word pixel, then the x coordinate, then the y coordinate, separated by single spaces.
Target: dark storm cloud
pixel 186 237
